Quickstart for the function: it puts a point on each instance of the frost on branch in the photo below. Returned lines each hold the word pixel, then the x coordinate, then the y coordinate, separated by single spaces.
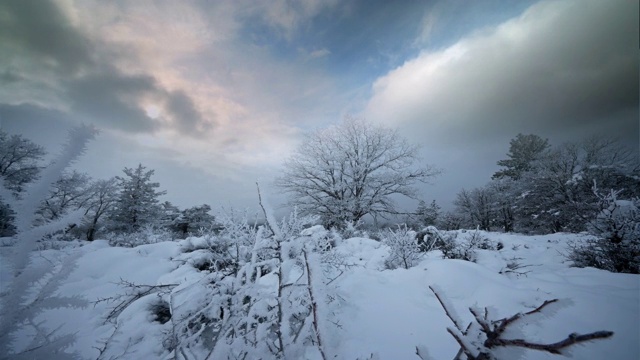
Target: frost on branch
pixel 404 248
pixel 617 230
pixel 32 288
pixel 351 170
pixel 480 339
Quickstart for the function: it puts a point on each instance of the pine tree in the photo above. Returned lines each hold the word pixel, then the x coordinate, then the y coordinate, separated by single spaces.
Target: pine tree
pixel 428 215
pixel 138 204
pixel 192 220
pixel 523 151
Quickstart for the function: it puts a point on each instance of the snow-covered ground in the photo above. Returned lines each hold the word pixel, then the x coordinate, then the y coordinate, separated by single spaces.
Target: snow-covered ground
pixel 386 313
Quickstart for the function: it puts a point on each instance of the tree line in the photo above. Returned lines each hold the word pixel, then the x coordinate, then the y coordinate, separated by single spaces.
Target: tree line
pixel 122 204
pixel 544 189
pixel 353 170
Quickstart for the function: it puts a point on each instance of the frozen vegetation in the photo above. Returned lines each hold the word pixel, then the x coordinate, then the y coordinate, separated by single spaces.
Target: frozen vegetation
pixel 152 281
pixel 146 302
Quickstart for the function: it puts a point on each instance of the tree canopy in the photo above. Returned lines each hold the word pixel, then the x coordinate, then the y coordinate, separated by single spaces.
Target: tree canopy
pixel 351 170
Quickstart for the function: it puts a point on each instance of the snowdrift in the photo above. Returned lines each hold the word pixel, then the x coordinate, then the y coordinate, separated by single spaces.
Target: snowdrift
pixel 383 313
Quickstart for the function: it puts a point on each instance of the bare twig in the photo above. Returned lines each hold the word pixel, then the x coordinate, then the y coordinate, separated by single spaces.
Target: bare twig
pixel 493 330
pixel 453 320
pixel 314 305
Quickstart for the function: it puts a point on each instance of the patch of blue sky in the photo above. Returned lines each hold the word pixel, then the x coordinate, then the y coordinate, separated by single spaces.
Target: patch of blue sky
pixel 365 39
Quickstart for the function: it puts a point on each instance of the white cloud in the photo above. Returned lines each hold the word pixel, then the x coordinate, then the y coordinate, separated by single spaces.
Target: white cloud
pixel 315 54
pixel 559 65
pixel 563 69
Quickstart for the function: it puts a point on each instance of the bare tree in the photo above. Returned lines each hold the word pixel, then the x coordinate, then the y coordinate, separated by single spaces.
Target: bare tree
pixel 477 206
pixel 102 197
pixel 19 164
pixel 68 193
pixel 350 170
pixel 19 160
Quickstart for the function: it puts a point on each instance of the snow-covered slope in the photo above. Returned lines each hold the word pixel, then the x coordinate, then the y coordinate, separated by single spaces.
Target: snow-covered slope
pixel 386 313
pixel 392 311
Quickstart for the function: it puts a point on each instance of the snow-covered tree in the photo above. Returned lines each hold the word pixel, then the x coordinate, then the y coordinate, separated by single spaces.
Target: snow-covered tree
pixel 450 221
pixel 476 206
pixel 138 203
pixel 19 160
pixel 504 193
pixel 101 199
pixel 427 215
pixel 523 151
pixel 19 164
pixel 351 170
pixel 68 193
pixel 193 219
pixel 557 193
pixel 169 214
pixel 616 228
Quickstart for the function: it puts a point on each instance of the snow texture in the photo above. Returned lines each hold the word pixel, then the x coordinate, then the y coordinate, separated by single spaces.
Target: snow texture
pixel 382 314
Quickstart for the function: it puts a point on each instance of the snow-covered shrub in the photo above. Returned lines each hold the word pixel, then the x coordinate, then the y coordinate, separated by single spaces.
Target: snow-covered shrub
pixel 352 229
pixel 616 228
pixel 146 235
pixel 404 249
pixel 321 239
pixel 223 252
pixel 453 249
pixel 477 241
pixel 464 249
pixel 429 239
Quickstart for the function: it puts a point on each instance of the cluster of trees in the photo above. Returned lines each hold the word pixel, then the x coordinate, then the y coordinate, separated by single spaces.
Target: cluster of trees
pixel 349 171
pixel 121 204
pixel 543 188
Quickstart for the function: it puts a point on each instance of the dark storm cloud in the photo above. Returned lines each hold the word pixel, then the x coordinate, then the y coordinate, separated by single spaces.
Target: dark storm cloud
pixel 112 99
pixel 563 69
pixel 37 32
pixel 40 27
pixel 8 77
pixel 185 115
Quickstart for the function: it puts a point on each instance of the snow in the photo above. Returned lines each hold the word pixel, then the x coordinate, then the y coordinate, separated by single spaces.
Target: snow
pixel 384 313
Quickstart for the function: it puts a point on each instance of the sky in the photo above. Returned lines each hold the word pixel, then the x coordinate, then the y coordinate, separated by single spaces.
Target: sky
pixel 215 95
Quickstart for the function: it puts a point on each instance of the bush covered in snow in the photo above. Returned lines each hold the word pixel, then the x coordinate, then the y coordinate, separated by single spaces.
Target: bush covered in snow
pixel 404 250
pixel 146 235
pixel 465 248
pixel 616 228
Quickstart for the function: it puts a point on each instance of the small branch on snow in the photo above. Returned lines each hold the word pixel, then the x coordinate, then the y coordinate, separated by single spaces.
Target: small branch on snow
pixel 493 330
pixel 138 291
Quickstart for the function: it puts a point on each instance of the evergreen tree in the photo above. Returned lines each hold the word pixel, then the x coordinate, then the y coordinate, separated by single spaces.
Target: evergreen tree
pixel 523 151
pixel 193 219
pixel 428 215
pixel 169 215
pixel 138 203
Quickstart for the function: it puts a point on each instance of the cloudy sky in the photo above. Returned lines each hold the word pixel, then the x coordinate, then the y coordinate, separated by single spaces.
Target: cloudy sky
pixel 213 95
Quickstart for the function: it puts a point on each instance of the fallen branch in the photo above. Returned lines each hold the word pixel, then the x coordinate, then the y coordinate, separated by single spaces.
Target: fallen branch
pixel 492 331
